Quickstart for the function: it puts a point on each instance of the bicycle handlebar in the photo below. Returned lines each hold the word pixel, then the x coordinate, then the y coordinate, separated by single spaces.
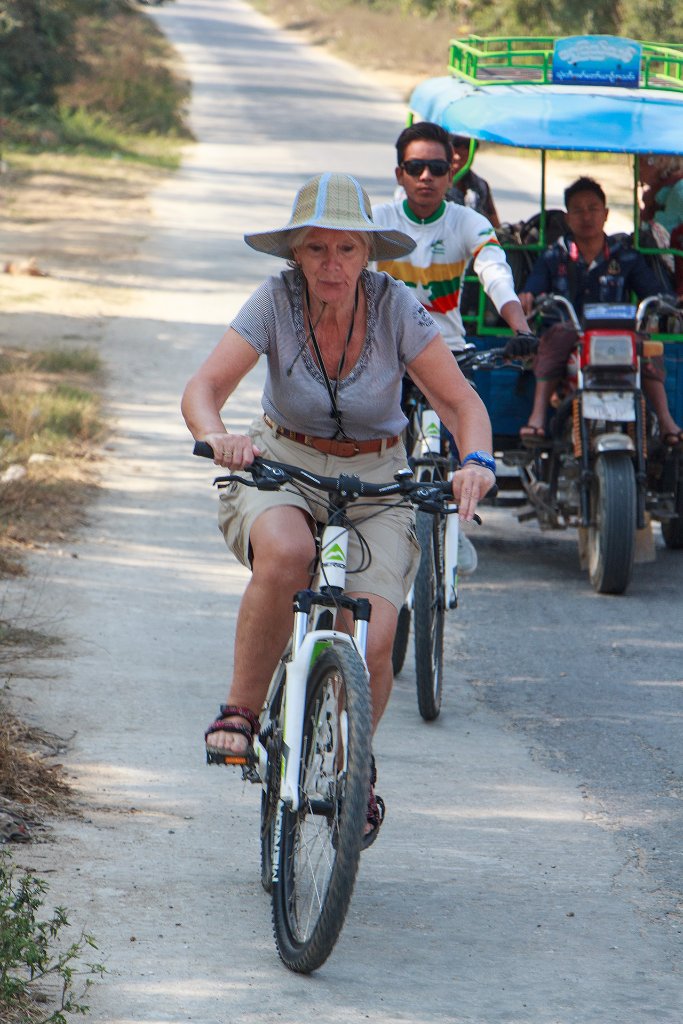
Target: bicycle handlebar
pixel 426 495
pixel 487 358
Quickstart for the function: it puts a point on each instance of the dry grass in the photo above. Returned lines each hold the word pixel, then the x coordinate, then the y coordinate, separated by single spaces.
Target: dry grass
pixel 49 422
pixel 45 507
pixel 25 777
pixel 29 784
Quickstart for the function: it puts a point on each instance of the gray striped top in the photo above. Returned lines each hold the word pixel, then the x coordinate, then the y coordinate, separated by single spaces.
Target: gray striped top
pixel 369 398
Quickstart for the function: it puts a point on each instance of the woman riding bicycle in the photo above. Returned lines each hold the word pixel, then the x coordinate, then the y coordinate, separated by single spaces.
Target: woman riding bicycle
pixel 337 339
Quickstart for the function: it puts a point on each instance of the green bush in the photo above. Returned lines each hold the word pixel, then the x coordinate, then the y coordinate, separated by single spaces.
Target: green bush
pixel 37 50
pixel 658 20
pixel 33 950
pixel 86 74
pixel 125 78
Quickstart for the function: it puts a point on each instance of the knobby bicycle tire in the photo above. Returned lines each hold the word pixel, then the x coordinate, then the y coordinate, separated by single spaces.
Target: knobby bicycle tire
pixel 271 733
pixel 400 647
pixel 428 615
pixel 317 848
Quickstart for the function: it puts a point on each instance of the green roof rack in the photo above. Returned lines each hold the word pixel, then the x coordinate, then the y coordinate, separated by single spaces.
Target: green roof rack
pixel 528 60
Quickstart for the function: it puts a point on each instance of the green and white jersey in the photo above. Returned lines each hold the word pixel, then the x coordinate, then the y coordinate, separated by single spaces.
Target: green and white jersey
pixel 446 242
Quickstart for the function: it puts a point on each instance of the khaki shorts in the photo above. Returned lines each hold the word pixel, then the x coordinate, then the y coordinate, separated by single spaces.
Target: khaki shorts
pixel 389 535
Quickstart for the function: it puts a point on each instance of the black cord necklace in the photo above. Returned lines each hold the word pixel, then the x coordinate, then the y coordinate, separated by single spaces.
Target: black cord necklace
pixel 332 391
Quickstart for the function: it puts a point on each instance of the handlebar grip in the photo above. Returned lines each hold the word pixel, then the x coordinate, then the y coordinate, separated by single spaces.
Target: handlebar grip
pixel 203 449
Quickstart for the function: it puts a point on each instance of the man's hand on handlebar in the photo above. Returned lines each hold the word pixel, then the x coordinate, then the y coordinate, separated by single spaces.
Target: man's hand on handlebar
pixel 233 451
pixel 520 346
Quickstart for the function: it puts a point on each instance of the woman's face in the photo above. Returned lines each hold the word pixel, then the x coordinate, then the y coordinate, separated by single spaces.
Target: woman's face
pixel 332 262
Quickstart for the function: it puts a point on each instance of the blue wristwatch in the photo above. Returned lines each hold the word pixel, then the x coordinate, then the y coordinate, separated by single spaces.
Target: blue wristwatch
pixel 481 459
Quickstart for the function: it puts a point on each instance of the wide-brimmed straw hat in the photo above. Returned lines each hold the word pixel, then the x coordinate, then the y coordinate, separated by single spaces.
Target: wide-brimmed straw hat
pixel 338 202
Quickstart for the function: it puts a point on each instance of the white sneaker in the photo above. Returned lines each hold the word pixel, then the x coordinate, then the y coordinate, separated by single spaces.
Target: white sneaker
pixel 467 555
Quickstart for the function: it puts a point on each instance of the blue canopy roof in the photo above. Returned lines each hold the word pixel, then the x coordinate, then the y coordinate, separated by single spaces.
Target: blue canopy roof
pixel 590 119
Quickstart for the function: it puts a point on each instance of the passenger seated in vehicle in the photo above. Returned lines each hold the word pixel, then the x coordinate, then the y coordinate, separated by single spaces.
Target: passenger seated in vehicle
pixel 586 265
pixel 662 205
pixel 470 189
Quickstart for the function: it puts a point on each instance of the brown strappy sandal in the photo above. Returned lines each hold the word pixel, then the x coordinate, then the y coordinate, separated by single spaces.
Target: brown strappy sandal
pixel 217 755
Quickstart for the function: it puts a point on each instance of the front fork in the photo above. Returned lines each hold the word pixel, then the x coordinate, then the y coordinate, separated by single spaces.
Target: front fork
pixel 430 451
pixel 307 645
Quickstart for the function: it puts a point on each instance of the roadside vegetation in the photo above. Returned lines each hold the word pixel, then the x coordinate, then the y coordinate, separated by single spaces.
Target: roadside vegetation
pixel 91 104
pixel 409 38
pixel 43 977
pixel 92 76
pixel 49 424
pixel 416 32
pixel 82 82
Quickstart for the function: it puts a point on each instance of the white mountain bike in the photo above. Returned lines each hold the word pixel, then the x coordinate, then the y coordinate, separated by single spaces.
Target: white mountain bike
pixel 312 754
pixel 432 457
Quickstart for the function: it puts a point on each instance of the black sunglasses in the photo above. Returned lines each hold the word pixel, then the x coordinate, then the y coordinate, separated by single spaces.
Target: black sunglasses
pixel 437 168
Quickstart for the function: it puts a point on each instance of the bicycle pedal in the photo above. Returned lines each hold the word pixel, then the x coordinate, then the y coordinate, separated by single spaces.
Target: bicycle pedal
pixel 243 761
pixel 249 774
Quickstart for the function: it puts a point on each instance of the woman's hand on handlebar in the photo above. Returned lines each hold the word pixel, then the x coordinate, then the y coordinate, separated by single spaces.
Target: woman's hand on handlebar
pixel 233 451
pixel 470 485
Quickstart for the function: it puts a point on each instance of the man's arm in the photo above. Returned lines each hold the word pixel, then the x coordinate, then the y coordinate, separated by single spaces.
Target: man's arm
pixel 514 315
pixel 538 282
pixel 493 270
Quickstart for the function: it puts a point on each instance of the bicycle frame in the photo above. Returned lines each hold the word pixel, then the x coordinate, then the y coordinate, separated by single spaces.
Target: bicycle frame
pixel 428 456
pixel 304 648
pixel 312 755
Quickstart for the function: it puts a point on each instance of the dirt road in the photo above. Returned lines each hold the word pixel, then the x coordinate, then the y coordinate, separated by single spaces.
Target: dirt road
pixel 505 887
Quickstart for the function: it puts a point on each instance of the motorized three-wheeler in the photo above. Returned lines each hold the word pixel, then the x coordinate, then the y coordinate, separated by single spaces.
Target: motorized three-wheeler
pixel 603 467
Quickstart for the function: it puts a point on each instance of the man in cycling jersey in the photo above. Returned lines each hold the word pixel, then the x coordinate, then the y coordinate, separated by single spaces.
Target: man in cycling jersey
pixel 447 236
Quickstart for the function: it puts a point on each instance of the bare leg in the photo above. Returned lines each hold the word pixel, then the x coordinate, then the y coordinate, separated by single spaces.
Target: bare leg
pixel 550 366
pixel 283 553
pixel 542 395
pixel 655 392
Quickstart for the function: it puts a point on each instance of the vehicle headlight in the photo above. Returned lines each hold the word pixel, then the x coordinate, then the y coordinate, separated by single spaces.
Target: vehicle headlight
pixel 609 349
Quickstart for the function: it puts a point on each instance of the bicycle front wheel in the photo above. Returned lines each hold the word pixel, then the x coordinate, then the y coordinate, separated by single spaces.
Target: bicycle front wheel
pixel 318 847
pixel 428 614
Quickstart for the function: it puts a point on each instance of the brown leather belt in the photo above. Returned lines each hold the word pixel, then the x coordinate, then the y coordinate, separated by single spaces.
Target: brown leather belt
pixel 328 446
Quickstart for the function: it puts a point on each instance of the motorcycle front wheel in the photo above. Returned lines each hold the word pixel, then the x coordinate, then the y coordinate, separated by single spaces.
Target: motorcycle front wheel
pixel 612 532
